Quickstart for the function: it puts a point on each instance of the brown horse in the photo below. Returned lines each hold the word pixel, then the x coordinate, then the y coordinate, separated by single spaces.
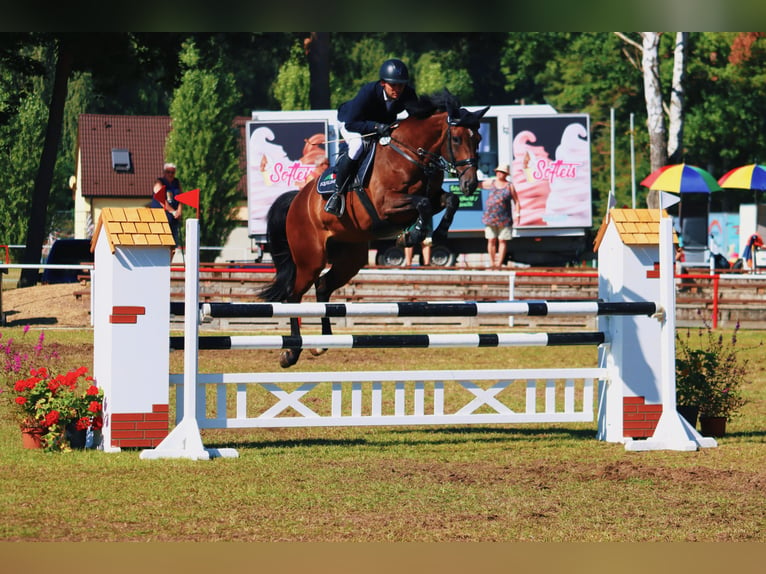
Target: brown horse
pixel 403 192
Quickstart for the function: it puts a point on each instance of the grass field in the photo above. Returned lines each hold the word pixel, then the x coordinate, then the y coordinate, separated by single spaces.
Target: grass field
pixel 506 483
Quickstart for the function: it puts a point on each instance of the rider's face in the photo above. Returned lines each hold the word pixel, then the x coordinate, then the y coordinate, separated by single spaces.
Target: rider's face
pixel 393 91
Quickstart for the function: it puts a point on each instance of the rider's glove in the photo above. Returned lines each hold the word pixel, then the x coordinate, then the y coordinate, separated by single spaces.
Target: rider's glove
pixel 383 130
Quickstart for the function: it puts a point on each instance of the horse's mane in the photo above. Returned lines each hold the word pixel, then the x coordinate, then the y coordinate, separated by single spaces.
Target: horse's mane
pixel 427 105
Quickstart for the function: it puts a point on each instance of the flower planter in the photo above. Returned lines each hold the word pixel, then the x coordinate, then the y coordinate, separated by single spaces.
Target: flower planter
pixel 713 426
pixel 76 438
pixel 690 413
pixel 32 437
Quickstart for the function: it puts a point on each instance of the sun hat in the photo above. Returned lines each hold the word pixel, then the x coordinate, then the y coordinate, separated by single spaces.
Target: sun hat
pixel 505 168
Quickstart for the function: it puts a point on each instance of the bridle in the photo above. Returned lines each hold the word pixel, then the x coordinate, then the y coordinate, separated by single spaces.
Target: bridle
pixel 431 162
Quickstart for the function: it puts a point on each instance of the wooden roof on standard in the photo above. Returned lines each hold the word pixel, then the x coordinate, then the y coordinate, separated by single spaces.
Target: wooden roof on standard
pixel 634 226
pixel 134 226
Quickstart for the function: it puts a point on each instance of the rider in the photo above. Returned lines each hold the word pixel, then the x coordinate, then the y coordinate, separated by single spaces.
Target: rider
pixel 371 111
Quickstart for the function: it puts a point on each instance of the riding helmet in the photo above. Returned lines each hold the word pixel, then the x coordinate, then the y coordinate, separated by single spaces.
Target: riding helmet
pixel 394 71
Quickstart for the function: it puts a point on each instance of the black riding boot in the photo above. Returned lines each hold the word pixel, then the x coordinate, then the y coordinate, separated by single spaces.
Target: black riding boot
pixel 345 170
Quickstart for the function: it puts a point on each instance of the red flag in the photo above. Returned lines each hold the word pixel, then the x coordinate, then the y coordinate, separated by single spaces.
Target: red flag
pixel 190 198
pixel 160 196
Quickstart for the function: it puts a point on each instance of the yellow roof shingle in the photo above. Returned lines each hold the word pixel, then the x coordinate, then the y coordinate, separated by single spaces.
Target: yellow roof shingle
pixel 635 226
pixel 134 226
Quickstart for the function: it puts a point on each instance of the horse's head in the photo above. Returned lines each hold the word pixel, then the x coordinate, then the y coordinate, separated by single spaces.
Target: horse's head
pixel 461 145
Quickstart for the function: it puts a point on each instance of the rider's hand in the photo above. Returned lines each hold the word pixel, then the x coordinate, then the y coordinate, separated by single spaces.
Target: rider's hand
pixel 383 130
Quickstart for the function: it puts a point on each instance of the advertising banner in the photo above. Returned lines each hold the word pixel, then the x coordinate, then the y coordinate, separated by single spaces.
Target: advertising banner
pixel 281 156
pixel 551 169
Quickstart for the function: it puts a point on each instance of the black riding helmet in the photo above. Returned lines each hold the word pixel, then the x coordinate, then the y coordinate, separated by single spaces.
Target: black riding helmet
pixel 394 71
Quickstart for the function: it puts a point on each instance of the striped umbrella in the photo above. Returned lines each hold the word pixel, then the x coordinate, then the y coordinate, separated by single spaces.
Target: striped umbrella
pixel 681 178
pixel 751 176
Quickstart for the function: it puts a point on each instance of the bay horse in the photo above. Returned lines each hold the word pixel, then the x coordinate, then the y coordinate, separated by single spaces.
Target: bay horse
pixel 403 191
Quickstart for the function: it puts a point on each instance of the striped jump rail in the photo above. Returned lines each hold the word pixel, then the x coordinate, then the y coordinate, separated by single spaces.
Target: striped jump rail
pixel 223 342
pixel 421 309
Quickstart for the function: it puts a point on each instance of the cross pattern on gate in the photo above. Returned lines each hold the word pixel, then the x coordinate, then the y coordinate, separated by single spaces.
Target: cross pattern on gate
pixel 414 397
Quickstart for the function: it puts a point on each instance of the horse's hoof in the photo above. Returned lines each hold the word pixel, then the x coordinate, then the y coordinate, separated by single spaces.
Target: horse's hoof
pixel 287 359
pixel 317 352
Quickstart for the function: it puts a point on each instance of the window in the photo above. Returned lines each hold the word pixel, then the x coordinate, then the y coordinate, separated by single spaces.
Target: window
pixel 121 160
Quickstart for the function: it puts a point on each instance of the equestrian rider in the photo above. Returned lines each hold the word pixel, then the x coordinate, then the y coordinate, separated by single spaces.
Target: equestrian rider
pixel 372 111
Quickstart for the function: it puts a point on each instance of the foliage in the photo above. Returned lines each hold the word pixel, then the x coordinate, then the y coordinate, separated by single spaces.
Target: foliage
pixel 710 373
pixel 435 71
pixel 291 87
pixel 203 144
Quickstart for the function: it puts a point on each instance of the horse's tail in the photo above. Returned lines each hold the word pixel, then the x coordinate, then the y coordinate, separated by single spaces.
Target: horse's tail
pixel 276 230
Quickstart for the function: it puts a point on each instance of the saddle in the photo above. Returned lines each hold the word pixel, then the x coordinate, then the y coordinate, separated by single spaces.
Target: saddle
pixel 326 183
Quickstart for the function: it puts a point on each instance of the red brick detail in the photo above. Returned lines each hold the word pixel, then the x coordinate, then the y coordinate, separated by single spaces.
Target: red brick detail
pixel 140 430
pixel 125 310
pixel 654 273
pixel 128 416
pixel 123 319
pixel 639 420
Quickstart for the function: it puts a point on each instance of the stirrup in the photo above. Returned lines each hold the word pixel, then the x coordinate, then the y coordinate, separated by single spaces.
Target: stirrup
pixel 336 204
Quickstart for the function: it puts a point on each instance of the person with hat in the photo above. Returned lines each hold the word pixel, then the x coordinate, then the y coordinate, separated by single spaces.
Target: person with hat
pixel 371 112
pixel 502 201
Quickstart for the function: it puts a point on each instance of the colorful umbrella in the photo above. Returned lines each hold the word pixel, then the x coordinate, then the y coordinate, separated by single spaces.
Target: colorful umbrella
pixel 681 178
pixel 751 176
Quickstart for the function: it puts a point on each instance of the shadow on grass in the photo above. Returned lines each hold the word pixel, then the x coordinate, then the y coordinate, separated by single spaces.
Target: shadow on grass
pixel 420 436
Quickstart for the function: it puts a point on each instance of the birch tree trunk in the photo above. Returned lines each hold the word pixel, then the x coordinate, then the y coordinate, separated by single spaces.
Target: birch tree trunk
pixel 676 115
pixel 654 118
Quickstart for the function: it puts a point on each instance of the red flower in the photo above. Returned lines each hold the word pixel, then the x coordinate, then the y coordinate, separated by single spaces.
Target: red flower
pixel 21 400
pixel 82 423
pixel 97 423
pixel 51 418
pixel 94 407
pixel 92 391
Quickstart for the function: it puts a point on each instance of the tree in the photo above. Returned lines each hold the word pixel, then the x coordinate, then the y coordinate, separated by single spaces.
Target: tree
pixel 203 143
pixel 435 71
pixel 44 177
pixel 317 47
pixel 293 82
pixel 660 143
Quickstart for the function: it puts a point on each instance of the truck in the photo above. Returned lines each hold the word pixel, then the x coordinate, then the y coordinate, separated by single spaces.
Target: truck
pixel 549 156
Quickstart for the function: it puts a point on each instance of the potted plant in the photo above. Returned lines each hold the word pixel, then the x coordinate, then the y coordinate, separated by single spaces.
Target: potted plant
pixel 55 407
pixel 710 374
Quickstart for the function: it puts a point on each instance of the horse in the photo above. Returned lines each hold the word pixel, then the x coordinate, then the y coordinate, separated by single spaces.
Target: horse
pixel 397 199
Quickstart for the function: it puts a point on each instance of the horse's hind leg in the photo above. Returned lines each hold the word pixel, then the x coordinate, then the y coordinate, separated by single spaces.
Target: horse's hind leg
pixel 347 259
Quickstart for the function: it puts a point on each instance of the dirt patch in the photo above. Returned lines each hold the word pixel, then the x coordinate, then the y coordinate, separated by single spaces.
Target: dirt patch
pixel 51 305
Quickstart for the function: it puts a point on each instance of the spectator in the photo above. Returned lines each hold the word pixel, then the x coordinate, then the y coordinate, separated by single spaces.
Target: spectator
pixel 166 189
pixel 502 201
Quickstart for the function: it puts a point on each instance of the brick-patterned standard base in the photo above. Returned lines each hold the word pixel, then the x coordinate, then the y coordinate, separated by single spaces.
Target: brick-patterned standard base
pixel 140 430
pixel 639 419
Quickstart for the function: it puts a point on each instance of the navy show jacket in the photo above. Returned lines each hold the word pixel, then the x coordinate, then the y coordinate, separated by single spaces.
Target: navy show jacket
pixel 368 107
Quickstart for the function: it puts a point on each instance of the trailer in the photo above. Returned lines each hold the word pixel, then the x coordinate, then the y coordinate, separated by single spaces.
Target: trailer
pixel 549 155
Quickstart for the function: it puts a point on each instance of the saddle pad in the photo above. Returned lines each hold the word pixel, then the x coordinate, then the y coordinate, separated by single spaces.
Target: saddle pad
pixel 326 183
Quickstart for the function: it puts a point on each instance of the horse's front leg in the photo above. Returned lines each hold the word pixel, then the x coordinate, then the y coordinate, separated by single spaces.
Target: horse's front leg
pixel 418 231
pixel 290 356
pixel 450 203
